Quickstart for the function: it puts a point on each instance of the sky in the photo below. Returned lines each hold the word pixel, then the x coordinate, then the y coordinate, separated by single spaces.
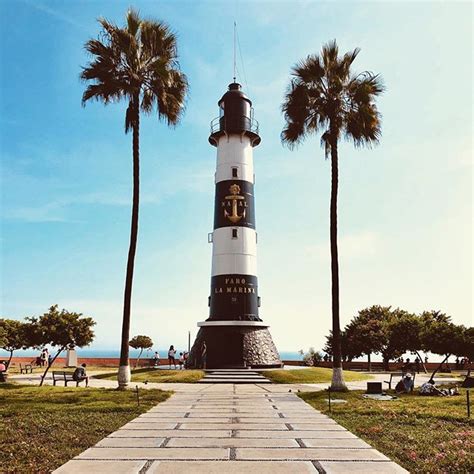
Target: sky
pixel 405 206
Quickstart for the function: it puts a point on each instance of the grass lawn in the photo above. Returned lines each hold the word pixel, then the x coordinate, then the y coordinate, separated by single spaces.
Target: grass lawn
pixel 423 434
pixel 43 427
pixel 159 375
pixel 310 375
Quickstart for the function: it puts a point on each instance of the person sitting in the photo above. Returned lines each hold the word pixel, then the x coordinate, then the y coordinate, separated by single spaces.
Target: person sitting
pixel 405 384
pixel 3 370
pixel 80 374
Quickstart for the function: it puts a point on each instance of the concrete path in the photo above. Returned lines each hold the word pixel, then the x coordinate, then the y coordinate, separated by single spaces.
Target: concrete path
pixel 231 429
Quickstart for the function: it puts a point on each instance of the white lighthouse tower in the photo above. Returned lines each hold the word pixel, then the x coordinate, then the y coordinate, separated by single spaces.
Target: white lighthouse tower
pixel 234 334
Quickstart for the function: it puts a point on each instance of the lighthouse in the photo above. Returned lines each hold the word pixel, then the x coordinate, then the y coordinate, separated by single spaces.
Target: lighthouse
pixel 234 334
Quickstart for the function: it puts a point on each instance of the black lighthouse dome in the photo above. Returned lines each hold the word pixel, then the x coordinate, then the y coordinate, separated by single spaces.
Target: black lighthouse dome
pixel 235 116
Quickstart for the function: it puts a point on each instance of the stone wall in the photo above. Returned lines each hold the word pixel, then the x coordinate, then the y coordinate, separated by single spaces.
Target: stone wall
pixel 259 348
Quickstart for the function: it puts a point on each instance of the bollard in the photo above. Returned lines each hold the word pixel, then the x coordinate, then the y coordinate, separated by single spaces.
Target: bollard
pixel 138 396
pixel 329 399
pixel 468 402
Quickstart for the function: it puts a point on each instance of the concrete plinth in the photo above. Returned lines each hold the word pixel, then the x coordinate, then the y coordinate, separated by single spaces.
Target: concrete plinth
pixel 235 346
pixel 71 358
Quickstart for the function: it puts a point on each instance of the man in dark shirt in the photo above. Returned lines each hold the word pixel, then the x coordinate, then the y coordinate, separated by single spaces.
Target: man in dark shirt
pixel 80 374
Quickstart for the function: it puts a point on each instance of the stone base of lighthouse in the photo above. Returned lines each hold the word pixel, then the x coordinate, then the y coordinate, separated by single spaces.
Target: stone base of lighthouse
pixel 235 347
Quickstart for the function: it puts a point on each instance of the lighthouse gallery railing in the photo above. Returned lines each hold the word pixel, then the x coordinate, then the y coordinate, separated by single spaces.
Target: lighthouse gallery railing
pixel 243 122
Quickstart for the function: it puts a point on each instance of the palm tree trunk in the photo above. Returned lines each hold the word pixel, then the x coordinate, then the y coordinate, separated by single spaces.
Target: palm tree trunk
pixel 337 383
pixel 124 369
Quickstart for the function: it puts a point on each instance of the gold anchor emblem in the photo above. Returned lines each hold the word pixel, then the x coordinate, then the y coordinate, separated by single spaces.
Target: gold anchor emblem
pixel 234 197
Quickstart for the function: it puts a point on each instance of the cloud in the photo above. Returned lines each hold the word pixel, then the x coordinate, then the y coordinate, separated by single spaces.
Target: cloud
pixel 51 212
pixel 55 14
pixel 57 211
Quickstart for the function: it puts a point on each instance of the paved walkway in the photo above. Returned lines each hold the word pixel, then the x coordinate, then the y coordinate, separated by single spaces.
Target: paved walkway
pixel 227 428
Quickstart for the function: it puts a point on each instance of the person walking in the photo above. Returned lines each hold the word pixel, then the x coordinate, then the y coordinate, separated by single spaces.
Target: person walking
pixel 156 359
pixel 171 356
pixel 204 355
pixel 44 356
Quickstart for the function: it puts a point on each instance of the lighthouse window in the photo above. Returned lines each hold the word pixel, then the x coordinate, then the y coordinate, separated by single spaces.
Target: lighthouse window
pixel 234 234
pixel 235 172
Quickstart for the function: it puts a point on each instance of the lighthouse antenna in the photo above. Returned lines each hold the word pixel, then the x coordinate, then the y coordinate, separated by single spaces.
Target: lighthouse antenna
pixel 235 63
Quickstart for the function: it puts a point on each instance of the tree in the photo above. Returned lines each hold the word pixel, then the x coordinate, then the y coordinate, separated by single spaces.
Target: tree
pixel 440 336
pixel 347 351
pixel 139 64
pixel 141 342
pixel 466 348
pixel 312 357
pixel 404 335
pixel 60 329
pixel 365 332
pixel 12 336
pixel 401 333
pixel 324 95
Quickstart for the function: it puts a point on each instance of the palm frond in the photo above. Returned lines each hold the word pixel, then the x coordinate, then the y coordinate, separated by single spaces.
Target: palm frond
pixel 309 70
pixel 139 60
pixel 158 40
pixel 324 95
pixel 133 22
pixel 295 110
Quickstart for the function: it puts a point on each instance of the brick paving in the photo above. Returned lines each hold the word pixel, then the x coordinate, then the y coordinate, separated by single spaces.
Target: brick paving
pixel 230 428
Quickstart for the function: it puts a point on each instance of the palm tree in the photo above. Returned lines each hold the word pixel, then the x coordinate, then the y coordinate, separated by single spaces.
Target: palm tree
pixel 325 96
pixel 139 64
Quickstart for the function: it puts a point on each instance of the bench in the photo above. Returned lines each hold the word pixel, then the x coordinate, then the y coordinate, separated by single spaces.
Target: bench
pixel 26 369
pixel 396 375
pixel 64 377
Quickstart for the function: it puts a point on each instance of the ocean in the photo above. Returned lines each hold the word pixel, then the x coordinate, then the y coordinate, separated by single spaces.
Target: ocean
pixel 103 353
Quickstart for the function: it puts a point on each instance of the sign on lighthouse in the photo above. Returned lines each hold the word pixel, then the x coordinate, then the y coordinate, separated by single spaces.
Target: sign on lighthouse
pixel 234 335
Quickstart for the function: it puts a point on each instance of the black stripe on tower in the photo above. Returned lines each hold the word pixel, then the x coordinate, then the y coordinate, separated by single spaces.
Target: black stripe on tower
pixel 234 204
pixel 234 298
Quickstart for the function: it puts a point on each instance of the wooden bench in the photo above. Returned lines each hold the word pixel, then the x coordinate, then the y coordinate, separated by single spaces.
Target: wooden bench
pixel 64 377
pixel 398 374
pixel 26 368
